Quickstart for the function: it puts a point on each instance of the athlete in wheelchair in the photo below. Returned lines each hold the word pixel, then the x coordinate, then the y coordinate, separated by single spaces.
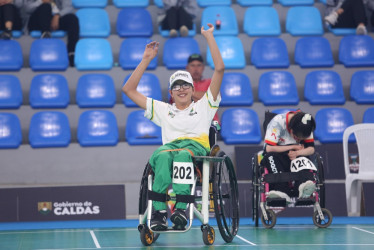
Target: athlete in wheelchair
pixel 185 129
pixel 288 172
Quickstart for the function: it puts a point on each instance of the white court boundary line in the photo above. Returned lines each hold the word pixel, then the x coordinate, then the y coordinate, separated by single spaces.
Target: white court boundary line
pixel 360 229
pixel 246 241
pixel 95 239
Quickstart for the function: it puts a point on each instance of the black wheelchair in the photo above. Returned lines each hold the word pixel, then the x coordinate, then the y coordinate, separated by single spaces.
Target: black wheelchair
pixel 265 207
pixel 215 174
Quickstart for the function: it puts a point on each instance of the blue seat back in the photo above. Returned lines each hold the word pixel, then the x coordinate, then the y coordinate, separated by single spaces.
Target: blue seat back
pixel 158 3
pixel 48 55
pixel 245 3
pixel 362 87
pixel 342 31
pixel 95 90
pixel 269 52
pixel 304 21
pixel 166 33
pixel 282 110
pixel 10 131
pixel 227 16
pixel 207 3
pixel 368 116
pixel 178 50
pixel 149 86
pixel 10 92
pixel 141 131
pixel 49 91
pixel 89 3
pixel 134 22
pixel 11 56
pixel 54 34
pixel 93 54
pixel 131 53
pixel 49 129
pixel 261 21
pixel 331 123
pixel 130 3
pixel 97 128
pixel 324 87
pixel 356 51
pixel 278 88
pixel 236 90
pixel 93 22
pixel 313 52
pixel 295 2
pixel 240 126
pixel 232 52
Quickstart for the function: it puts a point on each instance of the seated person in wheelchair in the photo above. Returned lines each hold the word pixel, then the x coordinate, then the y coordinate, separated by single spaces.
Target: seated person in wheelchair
pixel 185 128
pixel 287 137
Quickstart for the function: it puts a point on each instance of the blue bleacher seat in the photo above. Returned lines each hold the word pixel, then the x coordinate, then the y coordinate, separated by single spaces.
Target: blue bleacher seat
pixel 261 21
pixel 278 88
pixel 11 56
pixel 93 54
pixel 236 90
pixel 323 87
pixel 282 110
pixel 166 33
pixel 93 22
pixel 49 91
pixel 48 55
pixel 95 90
pixel 130 3
pixel 227 16
pixel 10 92
pixel 15 33
pixel 141 131
pixel 331 123
pixel 295 2
pixel 158 3
pixel 97 128
pixel 54 34
pixel 356 51
pixel 131 53
pixel 232 52
pixel 342 31
pixel 362 87
pixel 207 3
pixel 49 129
pixel 89 3
pixel 269 52
pixel 313 52
pixel 304 21
pixel 240 126
pixel 134 22
pixel 246 3
pixel 10 131
pixel 149 86
pixel 178 50
pixel 368 116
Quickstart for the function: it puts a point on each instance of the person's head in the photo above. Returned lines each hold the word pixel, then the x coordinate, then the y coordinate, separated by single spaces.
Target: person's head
pixel 195 65
pixel 302 125
pixel 181 87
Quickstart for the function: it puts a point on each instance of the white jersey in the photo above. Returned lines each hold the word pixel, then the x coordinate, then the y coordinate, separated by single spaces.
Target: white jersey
pixel 191 123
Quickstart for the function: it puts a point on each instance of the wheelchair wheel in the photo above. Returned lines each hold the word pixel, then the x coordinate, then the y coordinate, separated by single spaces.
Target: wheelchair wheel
pixel 147 236
pixel 208 234
pixel 321 180
pixel 255 189
pixel 143 194
pixel 322 223
pixel 271 221
pixel 225 197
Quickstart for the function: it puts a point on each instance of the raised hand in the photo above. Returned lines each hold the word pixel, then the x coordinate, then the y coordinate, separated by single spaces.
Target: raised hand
pixel 151 50
pixel 208 31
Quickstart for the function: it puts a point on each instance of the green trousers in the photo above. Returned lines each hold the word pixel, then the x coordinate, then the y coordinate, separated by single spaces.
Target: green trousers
pixel 162 163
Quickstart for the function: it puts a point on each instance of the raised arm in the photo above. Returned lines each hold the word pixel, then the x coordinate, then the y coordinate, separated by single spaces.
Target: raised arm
pixel 130 86
pixel 219 66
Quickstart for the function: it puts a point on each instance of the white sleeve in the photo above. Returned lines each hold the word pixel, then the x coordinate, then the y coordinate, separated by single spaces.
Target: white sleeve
pixel 155 110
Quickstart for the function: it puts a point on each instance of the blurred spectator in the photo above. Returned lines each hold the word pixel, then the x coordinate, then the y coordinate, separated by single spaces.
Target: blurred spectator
pixel 10 17
pixel 51 15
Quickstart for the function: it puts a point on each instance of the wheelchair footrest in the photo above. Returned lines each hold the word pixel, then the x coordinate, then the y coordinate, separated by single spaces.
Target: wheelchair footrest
pixel 276 202
pixel 305 202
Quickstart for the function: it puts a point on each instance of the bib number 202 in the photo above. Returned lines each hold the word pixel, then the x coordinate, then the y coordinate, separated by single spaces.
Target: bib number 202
pixel 183 173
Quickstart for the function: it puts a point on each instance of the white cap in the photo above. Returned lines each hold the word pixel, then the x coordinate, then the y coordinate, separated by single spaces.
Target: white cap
pixel 181 75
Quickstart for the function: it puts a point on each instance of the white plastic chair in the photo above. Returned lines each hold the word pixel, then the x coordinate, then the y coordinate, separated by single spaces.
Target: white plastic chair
pixel 364 134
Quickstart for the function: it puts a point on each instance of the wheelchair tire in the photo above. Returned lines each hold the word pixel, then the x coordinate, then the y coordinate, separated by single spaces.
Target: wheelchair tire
pixel 322 223
pixel 255 189
pixel 321 180
pixel 225 197
pixel 209 235
pixel 271 221
pixel 143 193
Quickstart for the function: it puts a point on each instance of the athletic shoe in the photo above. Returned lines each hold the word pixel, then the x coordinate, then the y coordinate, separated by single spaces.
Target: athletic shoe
pixel 173 33
pixel 179 219
pixel 279 194
pixel 306 189
pixel 183 31
pixel 332 18
pixel 159 220
pixel 46 34
pixel 361 30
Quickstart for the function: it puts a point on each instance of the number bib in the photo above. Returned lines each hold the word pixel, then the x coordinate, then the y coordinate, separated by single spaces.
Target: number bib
pixel 302 163
pixel 183 173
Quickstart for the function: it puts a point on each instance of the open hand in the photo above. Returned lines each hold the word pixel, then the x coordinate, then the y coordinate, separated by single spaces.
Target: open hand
pixel 151 50
pixel 208 31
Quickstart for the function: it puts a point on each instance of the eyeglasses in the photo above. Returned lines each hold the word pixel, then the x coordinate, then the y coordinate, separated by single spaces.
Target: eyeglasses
pixel 177 87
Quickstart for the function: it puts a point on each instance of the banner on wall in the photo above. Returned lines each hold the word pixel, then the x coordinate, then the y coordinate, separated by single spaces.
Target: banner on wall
pixel 104 202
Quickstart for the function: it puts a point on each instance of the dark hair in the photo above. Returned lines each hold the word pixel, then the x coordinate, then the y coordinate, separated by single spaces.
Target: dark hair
pixel 301 126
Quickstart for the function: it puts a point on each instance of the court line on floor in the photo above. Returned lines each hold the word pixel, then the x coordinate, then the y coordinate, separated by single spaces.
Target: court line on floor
pixel 95 239
pixel 246 241
pixel 363 230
